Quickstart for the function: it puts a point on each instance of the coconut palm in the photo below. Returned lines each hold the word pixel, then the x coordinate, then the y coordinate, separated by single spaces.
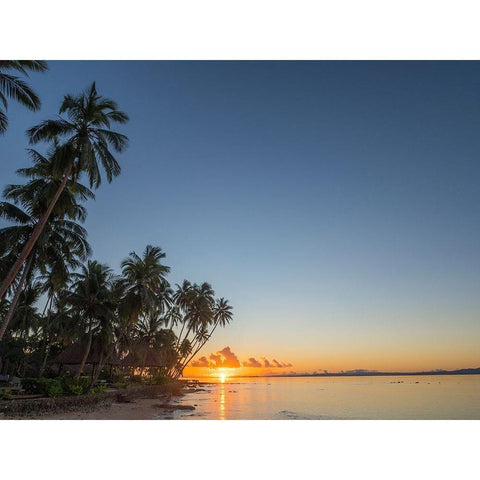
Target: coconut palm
pixel 27 317
pixel 86 142
pixel 91 301
pixel 12 86
pixel 62 243
pixel 61 247
pixel 221 316
pixel 146 284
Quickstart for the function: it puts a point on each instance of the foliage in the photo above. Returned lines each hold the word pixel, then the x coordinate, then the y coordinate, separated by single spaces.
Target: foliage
pixel 60 297
pixel 75 386
pixel 98 389
pixel 14 87
pixel 5 394
pixel 50 387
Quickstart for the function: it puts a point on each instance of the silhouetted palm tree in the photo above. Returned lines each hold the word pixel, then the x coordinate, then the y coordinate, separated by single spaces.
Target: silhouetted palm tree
pixel 145 278
pixel 88 139
pixel 62 243
pixel 12 86
pixel 91 300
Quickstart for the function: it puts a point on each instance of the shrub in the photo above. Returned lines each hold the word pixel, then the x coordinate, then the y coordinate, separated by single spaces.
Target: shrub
pixel 51 387
pixel 98 389
pixel 136 379
pixel 74 386
pixel 30 385
pixel 5 394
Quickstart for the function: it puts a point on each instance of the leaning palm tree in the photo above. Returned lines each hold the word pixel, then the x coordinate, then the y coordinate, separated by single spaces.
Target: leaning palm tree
pixel 12 86
pixel 61 243
pixel 222 316
pixel 61 247
pixel 88 139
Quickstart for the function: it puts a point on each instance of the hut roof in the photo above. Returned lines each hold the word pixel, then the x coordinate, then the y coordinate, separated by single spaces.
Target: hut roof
pixel 73 355
pixel 152 359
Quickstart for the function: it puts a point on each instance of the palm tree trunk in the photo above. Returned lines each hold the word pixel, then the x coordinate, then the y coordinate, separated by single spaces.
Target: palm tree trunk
pixel 179 335
pixel 87 350
pixel 46 343
pixel 14 303
pixel 104 360
pixel 45 357
pixel 183 365
pixel 37 231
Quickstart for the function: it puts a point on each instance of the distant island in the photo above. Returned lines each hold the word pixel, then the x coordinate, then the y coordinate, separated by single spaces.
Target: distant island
pixel 373 373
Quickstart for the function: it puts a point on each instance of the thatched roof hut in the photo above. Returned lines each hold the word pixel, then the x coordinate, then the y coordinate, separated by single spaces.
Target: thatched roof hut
pixel 74 353
pixel 150 358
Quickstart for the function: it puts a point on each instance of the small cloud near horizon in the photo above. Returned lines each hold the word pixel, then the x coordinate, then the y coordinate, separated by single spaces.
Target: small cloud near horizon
pixel 226 358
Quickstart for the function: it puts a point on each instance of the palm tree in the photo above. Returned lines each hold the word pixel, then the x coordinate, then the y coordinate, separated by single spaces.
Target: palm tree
pixel 62 243
pixel 91 301
pixel 17 89
pixel 26 316
pixel 88 139
pixel 146 284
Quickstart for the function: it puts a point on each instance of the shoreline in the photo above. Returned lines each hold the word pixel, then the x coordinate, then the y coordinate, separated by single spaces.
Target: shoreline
pixel 135 403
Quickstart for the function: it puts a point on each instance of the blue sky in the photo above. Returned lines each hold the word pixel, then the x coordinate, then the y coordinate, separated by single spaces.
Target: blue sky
pixel 336 204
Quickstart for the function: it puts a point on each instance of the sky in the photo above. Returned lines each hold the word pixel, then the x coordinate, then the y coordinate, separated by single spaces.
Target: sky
pixel 334 204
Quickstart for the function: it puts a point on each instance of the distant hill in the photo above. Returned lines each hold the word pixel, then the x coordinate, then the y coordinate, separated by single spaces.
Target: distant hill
pixel 373 373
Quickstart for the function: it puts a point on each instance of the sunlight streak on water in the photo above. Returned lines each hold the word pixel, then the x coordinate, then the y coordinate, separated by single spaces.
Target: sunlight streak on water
pixel 222 400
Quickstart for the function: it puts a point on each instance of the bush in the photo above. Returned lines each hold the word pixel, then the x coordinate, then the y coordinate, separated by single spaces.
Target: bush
pixel 5 394
pixel 30 385
pixel 73 386
pixel 136 379
pixel 98 389
pixel 157 380
pixel 50 387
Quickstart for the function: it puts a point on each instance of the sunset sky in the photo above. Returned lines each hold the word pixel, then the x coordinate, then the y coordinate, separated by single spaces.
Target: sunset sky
pixel 335 204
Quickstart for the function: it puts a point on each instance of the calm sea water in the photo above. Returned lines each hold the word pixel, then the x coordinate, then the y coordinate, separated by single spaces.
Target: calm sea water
pixel 399 397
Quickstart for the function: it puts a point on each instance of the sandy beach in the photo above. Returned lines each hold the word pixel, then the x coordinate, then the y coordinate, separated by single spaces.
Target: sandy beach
pixel 138 409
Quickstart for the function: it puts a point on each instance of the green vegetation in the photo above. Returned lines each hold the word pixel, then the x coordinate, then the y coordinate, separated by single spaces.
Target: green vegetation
pixel 61 311
pixel 12 86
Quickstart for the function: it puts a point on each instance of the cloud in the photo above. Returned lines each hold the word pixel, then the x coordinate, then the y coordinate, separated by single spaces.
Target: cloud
pixel 226 358
pixel 201 362
pixel 230 360
pixel 275 363
pixel 252 362
pixel 215 360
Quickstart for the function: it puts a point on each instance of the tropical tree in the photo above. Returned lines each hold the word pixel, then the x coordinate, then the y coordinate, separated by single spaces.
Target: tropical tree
pixel 62 244
pixel 14 87
pixel 147 289
pixel 86 140
pixel 91 302
pixel 222 316
pixel 27 318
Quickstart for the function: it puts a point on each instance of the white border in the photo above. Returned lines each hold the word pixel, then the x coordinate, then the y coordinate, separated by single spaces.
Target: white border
pixel 241 449
pixel 247 29
pixel 222 29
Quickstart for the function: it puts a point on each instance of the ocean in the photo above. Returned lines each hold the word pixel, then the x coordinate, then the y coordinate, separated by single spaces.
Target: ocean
pixel 328 398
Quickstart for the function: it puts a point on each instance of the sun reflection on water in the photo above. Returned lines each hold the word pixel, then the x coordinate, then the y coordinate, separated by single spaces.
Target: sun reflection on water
pixel 221 415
